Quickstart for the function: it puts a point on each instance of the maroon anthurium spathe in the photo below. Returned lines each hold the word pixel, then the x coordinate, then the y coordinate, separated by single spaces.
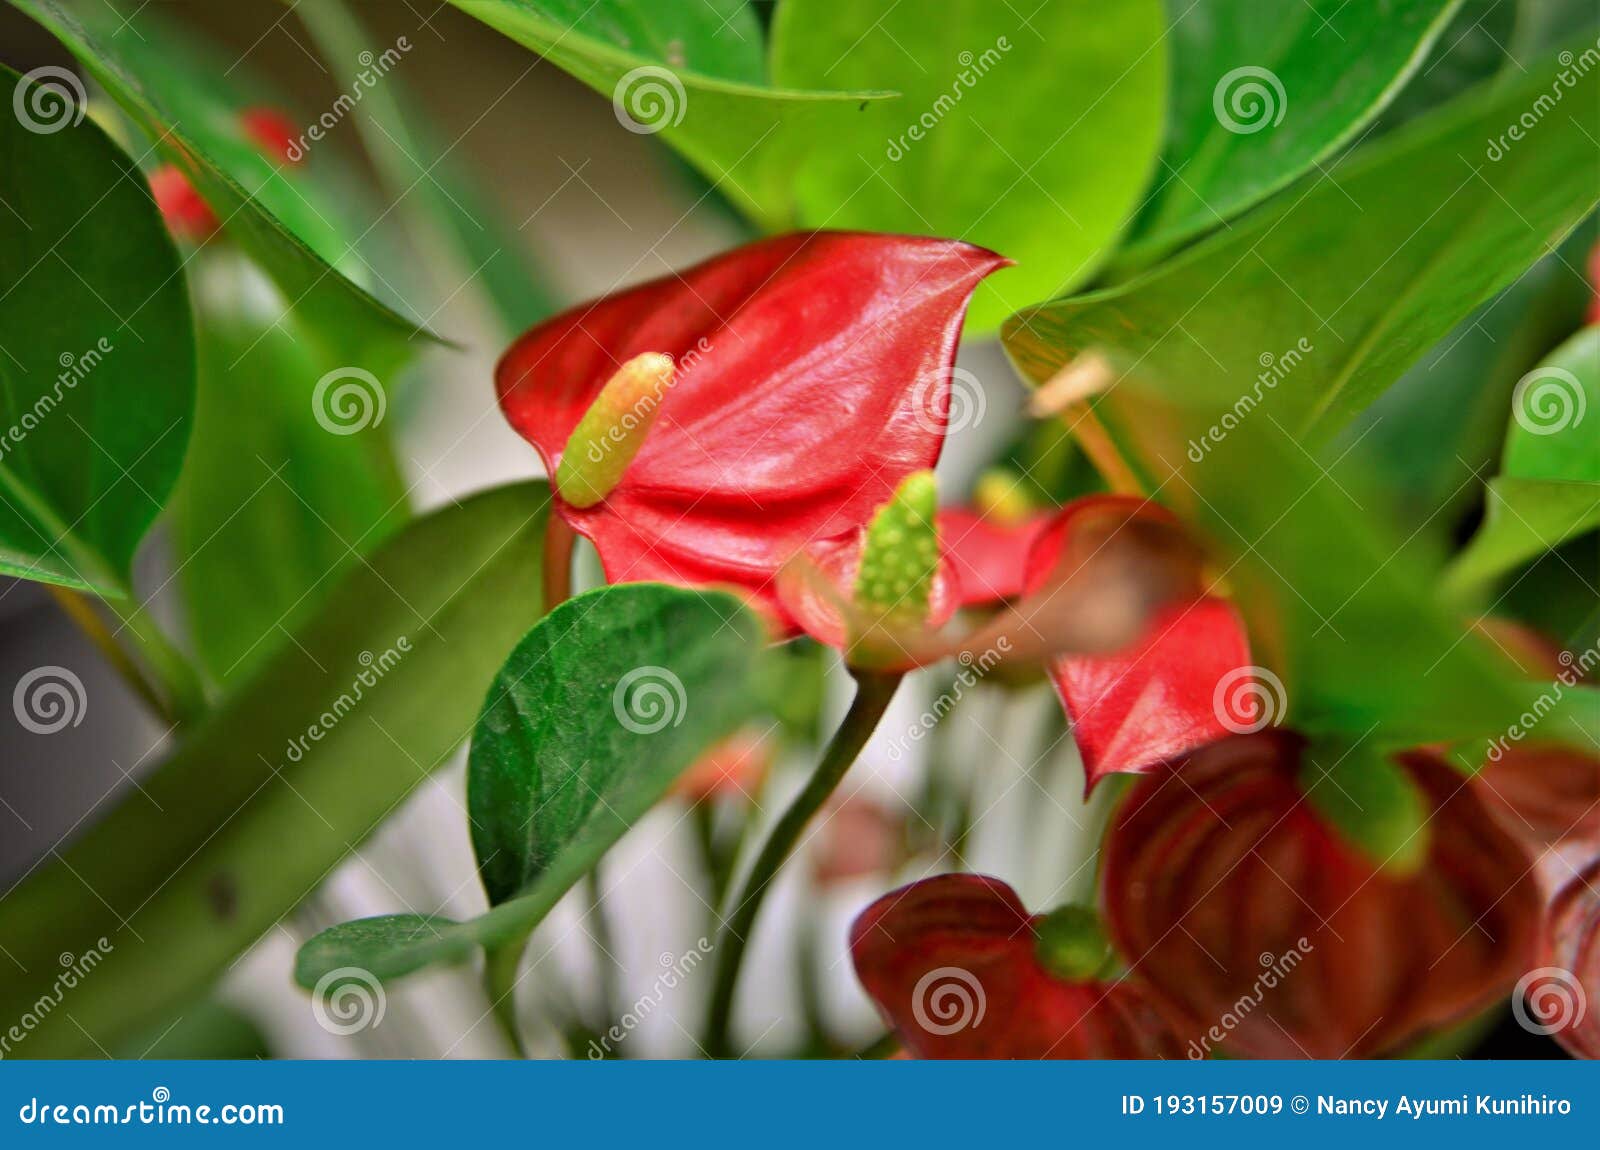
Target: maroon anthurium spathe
pixel 811 375
pixel 1223 886
pixel 1561 997
pixel 1174 689
pixel 953 965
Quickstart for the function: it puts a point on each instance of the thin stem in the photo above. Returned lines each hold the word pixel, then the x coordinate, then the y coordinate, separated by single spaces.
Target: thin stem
pixel 162 677
pixel 78 608
pixel 500 985
pixel 873 692
pixel 558 541
pixel 1101 449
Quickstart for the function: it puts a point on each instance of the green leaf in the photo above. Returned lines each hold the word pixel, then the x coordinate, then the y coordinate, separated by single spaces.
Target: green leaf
pixel 692 72
pixel 1263 93
pixel 288 482
pixel 97 359
pixel 1312 306
pixel 593 717
pixel 284 779
pixel 1371 800
pixel 176 92
pixel 451 216
pixel 1549 490
pixel 1029 130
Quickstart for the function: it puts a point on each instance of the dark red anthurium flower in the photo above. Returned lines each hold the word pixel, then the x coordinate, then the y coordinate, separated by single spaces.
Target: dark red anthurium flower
pixel 1546 794
pixel 272 132
pixel 810 376
pixel 1562 996
pixel 958 967
pixel 1224 884
pixel 187 215
pixel 1167 693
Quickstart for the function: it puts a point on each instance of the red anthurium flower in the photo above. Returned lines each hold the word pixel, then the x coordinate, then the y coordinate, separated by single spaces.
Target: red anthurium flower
pixel 955 965
pixel 187 216
pixel 1177 688
pixel 1562 997
pixel 857 837
pixel 989 555
pixel 810 375
pixel 272 133
pixel 1225 886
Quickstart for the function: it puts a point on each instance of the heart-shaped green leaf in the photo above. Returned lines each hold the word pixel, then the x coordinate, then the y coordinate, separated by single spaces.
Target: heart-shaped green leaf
pixel 692 72
pixel 97 361
pixel 284 779
pixel 1549 488
pixel 604 704
pixel 176 91
pixel 290 478
pixel 1031 130
pixel 1261 93
pixel 1313 305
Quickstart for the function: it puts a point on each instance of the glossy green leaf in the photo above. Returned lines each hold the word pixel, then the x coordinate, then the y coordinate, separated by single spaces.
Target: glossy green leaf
pixel 1311 307
pixel 1263 93
pixel 692 72
pixel 1028 130
pixel 1549 489
pixel 97 359
pixel 284 779
pixel 289 480
pixel 593 717
pixel 176 91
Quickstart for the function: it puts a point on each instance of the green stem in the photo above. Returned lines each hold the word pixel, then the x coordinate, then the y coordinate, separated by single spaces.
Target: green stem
pixel 873 692
pixel 158 671
pixel 500 984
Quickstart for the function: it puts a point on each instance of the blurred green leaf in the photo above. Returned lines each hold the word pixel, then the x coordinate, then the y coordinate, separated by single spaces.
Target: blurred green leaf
pixel 288 482
pixel 1311 307
pixel 97 360
pixel 1262 93
pixel 1031 131
pixel 452 218
pixel 178 94
pixel 596 713
pixel 204 1030
pixel 284 779
pixel 692 72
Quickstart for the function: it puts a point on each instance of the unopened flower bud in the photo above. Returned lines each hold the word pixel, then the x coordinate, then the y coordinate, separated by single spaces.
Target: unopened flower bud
pixel 613 430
